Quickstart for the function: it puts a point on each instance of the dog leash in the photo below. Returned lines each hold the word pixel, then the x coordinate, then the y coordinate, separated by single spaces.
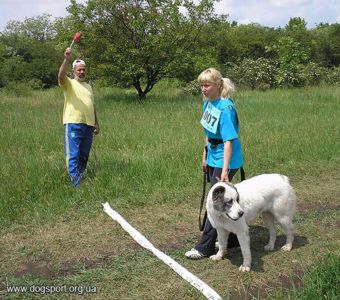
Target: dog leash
pixel 200 223
pixel 243 174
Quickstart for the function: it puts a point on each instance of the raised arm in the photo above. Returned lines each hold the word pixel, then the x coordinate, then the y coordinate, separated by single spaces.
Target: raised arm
pixel 63 67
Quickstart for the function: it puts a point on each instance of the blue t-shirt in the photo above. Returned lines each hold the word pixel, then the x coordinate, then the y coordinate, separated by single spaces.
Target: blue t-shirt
pixel 220 121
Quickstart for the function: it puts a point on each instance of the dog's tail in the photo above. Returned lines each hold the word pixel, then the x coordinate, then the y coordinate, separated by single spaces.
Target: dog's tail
pixel 291 194
pixel 285 178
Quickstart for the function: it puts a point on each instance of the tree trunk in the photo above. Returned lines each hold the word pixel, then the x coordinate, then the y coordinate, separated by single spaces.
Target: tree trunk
pixel 141 96
pixel 136 84
pixel 149 85
pixel 152 76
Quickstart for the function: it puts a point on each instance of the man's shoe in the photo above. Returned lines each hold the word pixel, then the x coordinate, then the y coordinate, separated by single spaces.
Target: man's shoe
pixel 75 181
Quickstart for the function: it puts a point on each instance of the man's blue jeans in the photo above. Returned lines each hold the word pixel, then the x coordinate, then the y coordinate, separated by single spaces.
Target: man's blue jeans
pixel 77 146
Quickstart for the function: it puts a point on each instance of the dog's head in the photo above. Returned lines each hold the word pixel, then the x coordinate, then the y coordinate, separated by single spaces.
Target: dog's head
pixel 225 199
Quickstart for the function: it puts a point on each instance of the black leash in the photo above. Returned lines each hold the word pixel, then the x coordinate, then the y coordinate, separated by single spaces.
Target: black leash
pixel 200 223
pixel 243 174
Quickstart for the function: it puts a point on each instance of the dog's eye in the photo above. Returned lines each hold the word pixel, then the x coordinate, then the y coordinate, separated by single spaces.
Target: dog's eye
pixel 228 203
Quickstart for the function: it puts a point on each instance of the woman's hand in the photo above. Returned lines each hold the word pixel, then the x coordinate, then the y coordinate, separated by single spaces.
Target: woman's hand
pixel 204 166
pixel 226 159
pixel 224 176
pixel 204 158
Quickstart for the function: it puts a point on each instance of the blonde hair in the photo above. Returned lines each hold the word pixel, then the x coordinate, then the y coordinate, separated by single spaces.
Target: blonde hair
pixel 227 88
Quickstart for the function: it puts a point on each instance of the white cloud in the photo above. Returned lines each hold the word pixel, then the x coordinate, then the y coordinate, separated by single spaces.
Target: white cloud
pixel 273 13
pixel 21 9
pixel 337 18
pixel 287 3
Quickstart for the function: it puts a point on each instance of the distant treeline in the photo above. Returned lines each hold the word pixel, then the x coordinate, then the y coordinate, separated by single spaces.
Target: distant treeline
pixel 136 43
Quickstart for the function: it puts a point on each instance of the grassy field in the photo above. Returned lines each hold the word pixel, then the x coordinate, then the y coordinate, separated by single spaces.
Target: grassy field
pixel 145 163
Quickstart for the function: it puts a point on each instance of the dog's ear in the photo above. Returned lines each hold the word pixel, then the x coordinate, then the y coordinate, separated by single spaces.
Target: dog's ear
pixel 218 193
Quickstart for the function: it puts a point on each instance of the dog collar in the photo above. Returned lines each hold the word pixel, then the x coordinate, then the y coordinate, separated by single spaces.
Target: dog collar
pixel 238 195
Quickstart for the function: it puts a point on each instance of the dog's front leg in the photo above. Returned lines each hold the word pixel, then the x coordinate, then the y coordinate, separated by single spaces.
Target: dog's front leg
pixel 244 241
pixel 222 236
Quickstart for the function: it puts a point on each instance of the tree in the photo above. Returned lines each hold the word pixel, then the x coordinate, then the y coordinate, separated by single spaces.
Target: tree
pixel 28 52
pixel 326 45
pixel 290 54
pixel 296 25
pixel 136 43
pixel 39 28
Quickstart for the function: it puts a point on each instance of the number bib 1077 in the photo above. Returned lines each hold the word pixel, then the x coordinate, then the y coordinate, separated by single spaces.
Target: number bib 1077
pixel 210 118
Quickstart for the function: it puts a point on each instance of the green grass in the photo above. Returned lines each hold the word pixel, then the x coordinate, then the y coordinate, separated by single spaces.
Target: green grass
pixel 139 145
pixel 146 164
pixel 290 130
pixel 153 147
pixel 322 280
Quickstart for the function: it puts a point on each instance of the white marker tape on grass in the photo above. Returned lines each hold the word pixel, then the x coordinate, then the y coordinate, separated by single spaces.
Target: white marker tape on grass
pixel 207 291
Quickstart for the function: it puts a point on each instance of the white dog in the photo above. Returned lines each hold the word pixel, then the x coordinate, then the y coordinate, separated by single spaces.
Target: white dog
pixel 231 208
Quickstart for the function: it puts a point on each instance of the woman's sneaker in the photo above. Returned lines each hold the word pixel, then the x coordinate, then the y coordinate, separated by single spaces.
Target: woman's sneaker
pixel 194 254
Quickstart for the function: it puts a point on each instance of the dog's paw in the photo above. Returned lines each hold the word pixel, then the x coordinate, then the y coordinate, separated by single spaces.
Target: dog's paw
pixel 287 247
pixel 215 257
pixel 269 247
pixel 244 268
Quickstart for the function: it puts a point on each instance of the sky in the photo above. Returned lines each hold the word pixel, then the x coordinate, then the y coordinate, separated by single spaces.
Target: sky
pixel 271 13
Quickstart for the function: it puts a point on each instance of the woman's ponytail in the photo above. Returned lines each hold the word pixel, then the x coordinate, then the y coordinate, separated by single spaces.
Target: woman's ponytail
pixel 228 88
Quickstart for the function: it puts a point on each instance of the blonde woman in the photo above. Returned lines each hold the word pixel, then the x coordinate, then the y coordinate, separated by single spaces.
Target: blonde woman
pixel 222 155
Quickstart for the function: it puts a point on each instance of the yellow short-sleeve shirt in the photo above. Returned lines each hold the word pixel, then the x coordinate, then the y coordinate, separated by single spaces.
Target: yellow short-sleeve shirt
pixel 79 102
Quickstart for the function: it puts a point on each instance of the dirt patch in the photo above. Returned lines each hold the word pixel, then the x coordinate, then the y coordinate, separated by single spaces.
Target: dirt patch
pixel 285 282
pixel 35 269
pixel 68 248
pixel 170 239
pixel 288 282
pixel 305 206
pixel 71 267
pixel 65 269
pixel 53 251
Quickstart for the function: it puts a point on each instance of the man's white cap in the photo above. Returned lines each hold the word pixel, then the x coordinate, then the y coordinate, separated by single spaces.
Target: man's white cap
pixel 78 62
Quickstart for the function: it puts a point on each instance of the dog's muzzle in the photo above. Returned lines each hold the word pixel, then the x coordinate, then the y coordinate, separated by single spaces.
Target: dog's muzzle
pixel 240 214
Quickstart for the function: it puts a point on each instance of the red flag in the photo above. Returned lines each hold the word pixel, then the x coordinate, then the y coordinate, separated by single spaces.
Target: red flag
pixel 76 39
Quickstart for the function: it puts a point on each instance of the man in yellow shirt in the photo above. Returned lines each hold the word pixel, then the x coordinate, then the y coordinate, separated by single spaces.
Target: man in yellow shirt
pixel 79 117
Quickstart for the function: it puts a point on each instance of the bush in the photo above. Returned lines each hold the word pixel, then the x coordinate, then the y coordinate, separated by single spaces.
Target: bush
pixel 35 84
pixel 253 74
pixel 332 76
pixel 287 78
pixel 19 89
pixel 263 74
pixel 311 74
pixel 192 88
